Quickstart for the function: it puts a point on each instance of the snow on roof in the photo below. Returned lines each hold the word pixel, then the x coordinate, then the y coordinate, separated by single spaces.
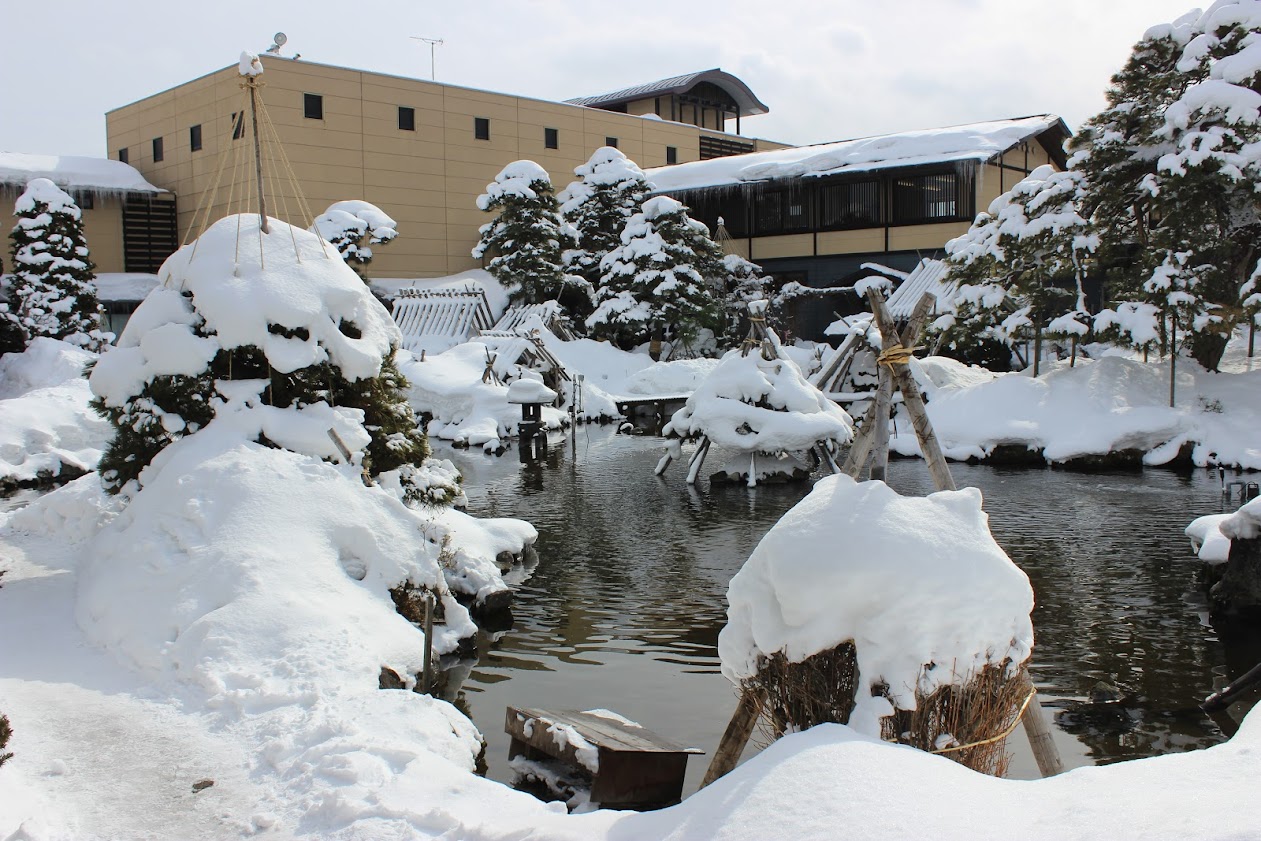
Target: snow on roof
pixel 974 141
pixel 124 286
pixel 72 172
pixel 435 320
pixel 929 276
pixel 748 103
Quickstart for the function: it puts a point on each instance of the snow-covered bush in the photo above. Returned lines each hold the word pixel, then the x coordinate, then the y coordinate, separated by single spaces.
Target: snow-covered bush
pixel 527 239
pixel 656 283
pixel 54 289
pixel 1021 266
pixel 741 281
pixel 302 339
pixel 6 732
pixel 353 227
pixel 610 191
pixel 1174 166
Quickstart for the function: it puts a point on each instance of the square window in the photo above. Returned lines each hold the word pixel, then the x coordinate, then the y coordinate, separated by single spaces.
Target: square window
pixel 157 149
pixel 86 201
pixel 312 106
pixel 238 125
pixel 551 138
pixel 406 118
pixel 481 128
pixel 122 154
pixel 610 141
pixel 194 137
pixel 672 155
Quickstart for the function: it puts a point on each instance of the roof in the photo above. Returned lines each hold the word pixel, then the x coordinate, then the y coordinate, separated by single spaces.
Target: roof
pixel 973 141
pixel 71 172
pixel 926 277
pixel 748 103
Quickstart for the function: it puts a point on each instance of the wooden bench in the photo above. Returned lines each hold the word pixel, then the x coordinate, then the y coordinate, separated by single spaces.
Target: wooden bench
pixel 633 766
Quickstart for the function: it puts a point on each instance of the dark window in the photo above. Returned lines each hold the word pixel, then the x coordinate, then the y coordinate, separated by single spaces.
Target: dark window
pixel 783 211
pixel 481 128
pixel 157 149
pixel 86 201
pixel 406 118
pixel 672 155
pixel 918 198
pixel 610 141
pixel 122 154
pixel 194 137
pixel 730 206
pixel 721 147
pixel 551 138
pixel 855 205
pixel 238 125
pixel 312 106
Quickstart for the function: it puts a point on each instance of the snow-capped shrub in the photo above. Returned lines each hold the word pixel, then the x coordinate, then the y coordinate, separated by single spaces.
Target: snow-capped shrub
pixel 54 288
pixel 353 227
pixel 300 335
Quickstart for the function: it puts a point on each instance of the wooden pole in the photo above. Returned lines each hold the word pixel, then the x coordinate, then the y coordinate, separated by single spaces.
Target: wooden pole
pixel 698 459
pixel 1040 741
pixel 880 432
pixel 860 447
pixel 425 681
pixel 1173 360
pixel 258 153
pixel 736 736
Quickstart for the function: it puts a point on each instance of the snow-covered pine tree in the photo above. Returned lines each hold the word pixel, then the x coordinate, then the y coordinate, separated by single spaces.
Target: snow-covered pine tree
pixel 657 282
pixel 54 288
pixel 12 339
pixel 610 191
pixel 1023 264
pixel 353 227
pixel 1174 166
pixel 526 238
pixel 742 281
pixel 6 732
pixel 302 343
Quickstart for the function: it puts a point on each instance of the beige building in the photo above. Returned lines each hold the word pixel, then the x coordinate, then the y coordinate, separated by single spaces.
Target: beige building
pixel 422 151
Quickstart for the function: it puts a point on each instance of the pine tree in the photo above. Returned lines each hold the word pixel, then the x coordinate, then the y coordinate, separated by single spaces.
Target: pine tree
pixel 742 281
pixel 1174 174
pixel 54 289
pixel 526 238
pixel 612 189
pixel 12 338
pixel 6 732
pixel 657 282
pixel 353 227
pixel 1022 266
pixel 158 407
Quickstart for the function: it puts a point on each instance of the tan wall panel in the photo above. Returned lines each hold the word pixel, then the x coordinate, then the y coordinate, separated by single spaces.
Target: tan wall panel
pixel 914 237
pixel 103 230
pixel 790 245
pixel 851 242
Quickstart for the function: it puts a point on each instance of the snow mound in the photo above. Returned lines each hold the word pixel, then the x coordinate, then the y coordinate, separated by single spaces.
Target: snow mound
pixel 74 512
pixel 1244 524
pixel 912 581
pixel 45 362
pixel 751 403
pixel 1211 546
pixel 680 376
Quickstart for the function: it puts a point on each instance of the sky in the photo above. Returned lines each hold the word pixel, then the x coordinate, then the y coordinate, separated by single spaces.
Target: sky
pixel 827 70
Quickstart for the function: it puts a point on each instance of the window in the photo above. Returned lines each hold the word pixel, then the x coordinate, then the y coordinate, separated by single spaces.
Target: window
pixel 919 198
pixel 672 155
pixel 85 201
pixel 551 138
pixel 481 128
pixel 855 205
pixel 783 211
pixel 194 138
pixel 238 125
pixel 312 106
pixel 122 154
pixel 610 141
pixel 406 118
pixel 157 149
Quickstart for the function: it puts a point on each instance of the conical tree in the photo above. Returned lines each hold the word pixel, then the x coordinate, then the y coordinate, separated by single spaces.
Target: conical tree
pixel 657 282
pixel 526 238
pixel 300 334
pixel 54 288
pixel 612 189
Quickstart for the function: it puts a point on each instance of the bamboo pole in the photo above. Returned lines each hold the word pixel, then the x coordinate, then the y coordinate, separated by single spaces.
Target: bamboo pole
pixel 860 447
pixel 736 736
pixel 1040 741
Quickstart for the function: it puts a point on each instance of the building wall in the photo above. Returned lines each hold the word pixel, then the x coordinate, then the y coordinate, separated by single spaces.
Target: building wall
pixel 102 228
pixel 427 179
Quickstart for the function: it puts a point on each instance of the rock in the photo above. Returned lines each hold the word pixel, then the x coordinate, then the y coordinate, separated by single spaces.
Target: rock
pixel 1012 454
pixel 1238 593
pixel 1097 463
pixel 390 679
pixel 202 785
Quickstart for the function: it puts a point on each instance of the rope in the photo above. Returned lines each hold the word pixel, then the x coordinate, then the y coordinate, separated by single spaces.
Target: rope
pixel 1019 717
pixel 897 355
pixel 299 196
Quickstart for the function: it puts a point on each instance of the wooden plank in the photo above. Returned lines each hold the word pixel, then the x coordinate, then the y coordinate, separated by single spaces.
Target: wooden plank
pixel 603 732
pixel 736 736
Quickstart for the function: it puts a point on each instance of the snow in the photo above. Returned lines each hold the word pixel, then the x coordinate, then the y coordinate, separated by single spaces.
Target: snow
pixel 601 712
pixel 72 172
pixel 607 167
pixel 250 65
pixel 496 295
pixel 1097 407
pixel 679 376
pixel 344 223
pixel 856 561
pixel 1210 545
pixel 516 179
pixel 530 391
pixel 975 141
pixel 1244 524
pixel 124 286
pixel 45 418
pixel 43 191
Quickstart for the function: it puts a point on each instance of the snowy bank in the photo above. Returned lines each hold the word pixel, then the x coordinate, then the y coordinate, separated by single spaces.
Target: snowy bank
pixel 47 427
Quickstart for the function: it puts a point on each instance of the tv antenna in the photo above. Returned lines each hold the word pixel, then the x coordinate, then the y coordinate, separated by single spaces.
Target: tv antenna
pixel 433 43
pixel 277 41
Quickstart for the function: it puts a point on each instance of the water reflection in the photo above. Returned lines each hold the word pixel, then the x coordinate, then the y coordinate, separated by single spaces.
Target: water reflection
pixel 628 598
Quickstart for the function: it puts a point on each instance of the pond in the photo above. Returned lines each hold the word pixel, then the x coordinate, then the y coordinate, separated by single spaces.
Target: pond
pixel 624 608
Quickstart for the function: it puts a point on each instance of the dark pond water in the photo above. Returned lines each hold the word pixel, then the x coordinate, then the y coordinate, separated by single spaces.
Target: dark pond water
pixel 624 608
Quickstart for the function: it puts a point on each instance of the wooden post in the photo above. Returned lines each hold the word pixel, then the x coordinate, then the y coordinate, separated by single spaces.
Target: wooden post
pixel 1044 751
pixel 880 432
pixel 252 84
pixel 698 459
pixel 860 447
pixel 426 678
pixel 736 736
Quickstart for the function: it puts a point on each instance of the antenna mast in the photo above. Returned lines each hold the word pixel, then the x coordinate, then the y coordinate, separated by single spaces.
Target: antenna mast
pixel 433 43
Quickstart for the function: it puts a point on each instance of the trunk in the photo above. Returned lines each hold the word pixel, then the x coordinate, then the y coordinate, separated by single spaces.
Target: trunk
pixel 1037 350
pixel 1072 360
pixel 1208 349
pixel 654 349
pixel 1173 364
